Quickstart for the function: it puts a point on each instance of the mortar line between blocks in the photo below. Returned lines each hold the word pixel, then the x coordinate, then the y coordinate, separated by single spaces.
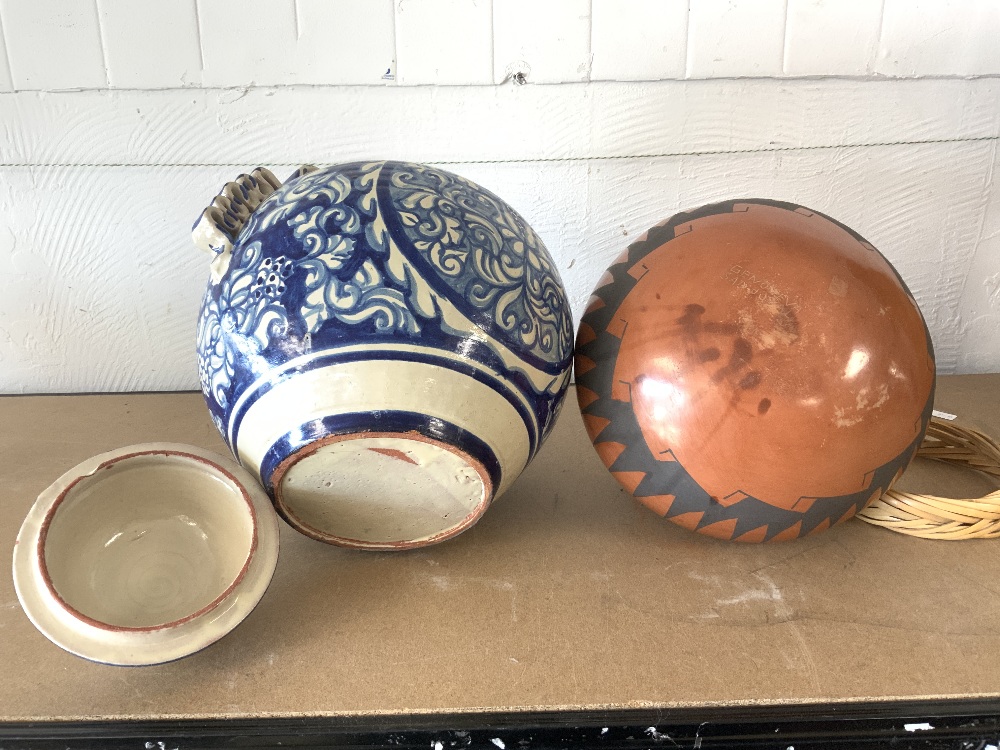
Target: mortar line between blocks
pixel 6 54
pixel 493 43
pixel 395 44
pixel 687 44
pixel 103 42
pixel 590 41
pixel 873 62
pixel 539 160
pixel 687 41
pixel 197 31
pixel 784 42
pixel 268 90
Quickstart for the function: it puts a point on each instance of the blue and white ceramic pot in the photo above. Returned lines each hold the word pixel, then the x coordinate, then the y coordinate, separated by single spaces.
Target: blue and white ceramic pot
pixel 386 345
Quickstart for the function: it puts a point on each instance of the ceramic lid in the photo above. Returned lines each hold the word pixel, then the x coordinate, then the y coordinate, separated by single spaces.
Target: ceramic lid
pixel 145 554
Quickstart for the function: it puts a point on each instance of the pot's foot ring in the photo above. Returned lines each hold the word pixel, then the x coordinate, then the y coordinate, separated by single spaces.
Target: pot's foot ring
pixel 381 490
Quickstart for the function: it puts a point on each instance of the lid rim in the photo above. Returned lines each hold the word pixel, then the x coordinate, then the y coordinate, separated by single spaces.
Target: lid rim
pixel 125 646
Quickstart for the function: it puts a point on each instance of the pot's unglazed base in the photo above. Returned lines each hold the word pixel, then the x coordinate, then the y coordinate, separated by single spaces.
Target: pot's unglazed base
pixel 381 490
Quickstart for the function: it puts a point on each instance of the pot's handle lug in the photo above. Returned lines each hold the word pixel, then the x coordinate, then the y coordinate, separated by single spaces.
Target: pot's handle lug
pixel 216 229
pixel 303 170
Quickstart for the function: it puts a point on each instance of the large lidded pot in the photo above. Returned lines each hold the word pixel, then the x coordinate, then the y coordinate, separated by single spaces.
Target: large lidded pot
pixel 384 344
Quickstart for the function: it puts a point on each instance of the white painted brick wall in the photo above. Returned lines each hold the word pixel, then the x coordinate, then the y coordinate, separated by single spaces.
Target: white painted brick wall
pixel 831 38
pixel 549 42
pixel 288 42
pixel 978 310
pixel 444 41
pixel 248 42
pixel 636 40
pixel 939 38
pixel 351 42
pixel 734 38
pixel 156 104
pixel 6 83
pixel 102 283
pixel 151 44
pixel 53 44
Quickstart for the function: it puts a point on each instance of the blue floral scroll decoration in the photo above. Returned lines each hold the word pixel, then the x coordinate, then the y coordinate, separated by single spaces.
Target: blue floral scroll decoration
pixel 486 253
pixel 316 253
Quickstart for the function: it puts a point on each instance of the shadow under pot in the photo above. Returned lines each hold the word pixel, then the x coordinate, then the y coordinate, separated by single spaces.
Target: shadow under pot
pixel 384 345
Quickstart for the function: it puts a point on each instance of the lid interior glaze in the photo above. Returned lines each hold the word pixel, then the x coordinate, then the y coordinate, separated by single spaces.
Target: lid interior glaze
pixel 145 554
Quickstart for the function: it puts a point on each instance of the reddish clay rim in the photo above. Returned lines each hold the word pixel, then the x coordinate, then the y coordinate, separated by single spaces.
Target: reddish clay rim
pixel 50 515
pixel 279 505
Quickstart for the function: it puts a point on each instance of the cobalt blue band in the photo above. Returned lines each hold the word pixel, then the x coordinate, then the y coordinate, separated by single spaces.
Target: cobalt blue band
pixel 382 421
pixel 335 357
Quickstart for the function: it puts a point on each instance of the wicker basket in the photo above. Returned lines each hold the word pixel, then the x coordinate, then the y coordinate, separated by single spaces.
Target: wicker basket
pixel 933 517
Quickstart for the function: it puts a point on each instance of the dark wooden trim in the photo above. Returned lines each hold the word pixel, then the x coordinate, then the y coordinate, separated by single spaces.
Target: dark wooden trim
pixel 965 725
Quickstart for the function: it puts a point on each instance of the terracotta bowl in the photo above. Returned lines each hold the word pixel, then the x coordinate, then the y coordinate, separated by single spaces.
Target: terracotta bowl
pixel 754 370
pixel 145 554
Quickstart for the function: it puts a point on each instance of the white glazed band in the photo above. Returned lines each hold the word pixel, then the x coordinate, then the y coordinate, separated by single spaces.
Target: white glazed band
pixel 387 385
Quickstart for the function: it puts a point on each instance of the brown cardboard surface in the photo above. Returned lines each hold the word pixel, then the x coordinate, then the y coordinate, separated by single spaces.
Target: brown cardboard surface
pixel 567 594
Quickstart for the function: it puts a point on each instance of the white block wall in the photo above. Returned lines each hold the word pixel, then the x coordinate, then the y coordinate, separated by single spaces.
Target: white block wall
pixel 120 119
